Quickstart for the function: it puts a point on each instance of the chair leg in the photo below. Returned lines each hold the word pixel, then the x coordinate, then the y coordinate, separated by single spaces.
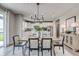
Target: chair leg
pixel 23 52
pixel 38 52
pixel 26 45
pixel 51 52
pixel 42 52
pixel 63 49
pixel 13 50
pixel 29 52
pixel 54 51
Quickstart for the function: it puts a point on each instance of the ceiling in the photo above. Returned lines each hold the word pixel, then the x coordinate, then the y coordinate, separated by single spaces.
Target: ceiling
pixel 50 11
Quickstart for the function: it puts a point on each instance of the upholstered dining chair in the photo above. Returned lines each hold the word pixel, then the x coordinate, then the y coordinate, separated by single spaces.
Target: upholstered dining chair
pixel 19 43
pixel 46 44
pixel 33 44
pixel 60 43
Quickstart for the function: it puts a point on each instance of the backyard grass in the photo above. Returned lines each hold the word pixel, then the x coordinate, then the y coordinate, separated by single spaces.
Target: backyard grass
pixel 1 36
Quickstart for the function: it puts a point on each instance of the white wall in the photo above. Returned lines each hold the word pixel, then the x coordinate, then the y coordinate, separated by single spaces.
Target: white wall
pixel 19 21
pixel 12 26
pixel 70 13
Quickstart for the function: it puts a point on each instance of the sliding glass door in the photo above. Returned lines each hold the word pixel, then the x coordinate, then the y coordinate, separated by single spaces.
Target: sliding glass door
pixel 1 30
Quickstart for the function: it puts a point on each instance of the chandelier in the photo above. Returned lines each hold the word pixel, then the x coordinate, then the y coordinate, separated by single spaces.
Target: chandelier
pixel 36 17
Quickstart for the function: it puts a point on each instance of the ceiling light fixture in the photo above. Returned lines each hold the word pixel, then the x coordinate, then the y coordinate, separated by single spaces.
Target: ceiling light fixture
pixel 36 16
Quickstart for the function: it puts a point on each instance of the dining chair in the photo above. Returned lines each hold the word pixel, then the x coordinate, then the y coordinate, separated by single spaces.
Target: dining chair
pixel 33 44
pixel 46 44
pixel 60 43
pixel 19 43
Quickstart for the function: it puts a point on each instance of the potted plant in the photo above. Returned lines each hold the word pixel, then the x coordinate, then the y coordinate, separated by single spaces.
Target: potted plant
pixel 38 28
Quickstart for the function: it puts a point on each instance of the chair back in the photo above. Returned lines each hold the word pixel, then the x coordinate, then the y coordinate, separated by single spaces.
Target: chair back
pixel 16 39
pixel 34 43
pixel 46 43
pixel 63 37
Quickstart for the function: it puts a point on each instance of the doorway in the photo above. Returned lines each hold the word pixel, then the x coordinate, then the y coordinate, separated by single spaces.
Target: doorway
pixel 58 28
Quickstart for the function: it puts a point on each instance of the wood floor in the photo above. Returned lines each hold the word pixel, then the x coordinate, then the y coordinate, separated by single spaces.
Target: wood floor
pixel 18 52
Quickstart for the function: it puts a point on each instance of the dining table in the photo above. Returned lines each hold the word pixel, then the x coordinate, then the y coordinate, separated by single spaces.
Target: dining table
pixel 55 40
